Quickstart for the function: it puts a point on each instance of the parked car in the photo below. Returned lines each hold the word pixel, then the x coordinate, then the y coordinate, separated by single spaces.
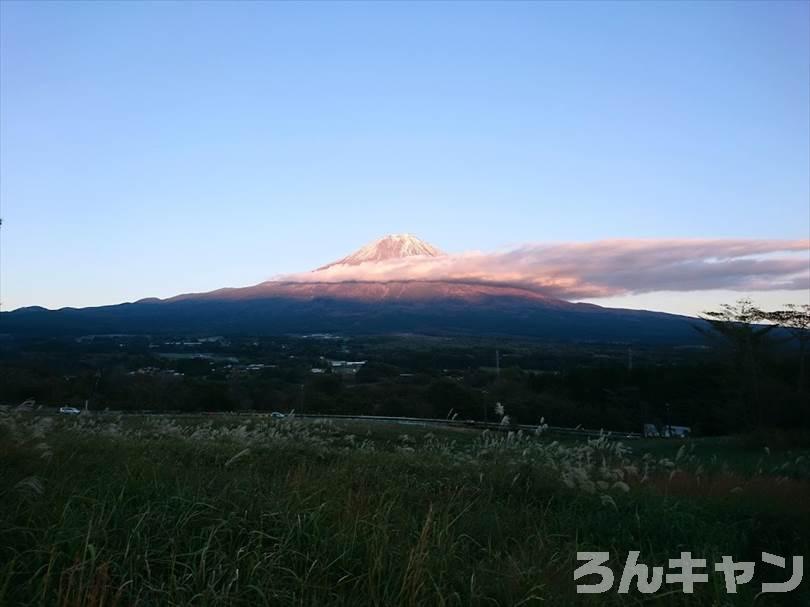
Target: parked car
pixel 277 415
pixel 69 411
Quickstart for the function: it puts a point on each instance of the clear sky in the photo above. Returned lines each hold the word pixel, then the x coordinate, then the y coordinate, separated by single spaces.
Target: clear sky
pixel 150 149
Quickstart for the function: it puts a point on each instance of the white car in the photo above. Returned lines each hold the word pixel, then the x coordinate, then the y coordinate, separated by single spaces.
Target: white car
pixel 277 415
pixel 69 411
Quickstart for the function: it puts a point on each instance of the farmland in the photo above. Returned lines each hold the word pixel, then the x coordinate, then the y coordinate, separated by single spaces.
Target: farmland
pixel 236 510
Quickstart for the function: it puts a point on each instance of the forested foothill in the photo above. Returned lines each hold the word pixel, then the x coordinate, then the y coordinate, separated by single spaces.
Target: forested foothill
pixel 748 375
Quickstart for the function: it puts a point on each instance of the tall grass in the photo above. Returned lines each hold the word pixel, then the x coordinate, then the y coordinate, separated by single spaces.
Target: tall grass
pixel 128 511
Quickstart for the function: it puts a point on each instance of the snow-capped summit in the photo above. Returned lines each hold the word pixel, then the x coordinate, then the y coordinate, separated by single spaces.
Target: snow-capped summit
pixel 393 246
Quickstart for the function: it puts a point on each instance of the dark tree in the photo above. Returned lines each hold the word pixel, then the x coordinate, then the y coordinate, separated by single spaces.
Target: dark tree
pixel 737 326
pixel 796 320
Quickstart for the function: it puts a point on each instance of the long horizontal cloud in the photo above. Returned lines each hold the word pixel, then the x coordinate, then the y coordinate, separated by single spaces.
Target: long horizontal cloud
pixel 605 268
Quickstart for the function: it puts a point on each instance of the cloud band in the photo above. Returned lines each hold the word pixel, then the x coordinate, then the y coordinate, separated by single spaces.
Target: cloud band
pixel 604 268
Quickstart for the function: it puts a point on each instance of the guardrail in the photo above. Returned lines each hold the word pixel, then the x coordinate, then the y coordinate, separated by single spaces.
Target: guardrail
pixel 427 421
pixel 581 432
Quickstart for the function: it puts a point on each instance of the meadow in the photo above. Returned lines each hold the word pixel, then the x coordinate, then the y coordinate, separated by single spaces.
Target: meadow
pixel 234 510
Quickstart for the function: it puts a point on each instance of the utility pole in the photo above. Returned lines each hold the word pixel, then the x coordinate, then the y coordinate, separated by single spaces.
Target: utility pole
pixel 93 394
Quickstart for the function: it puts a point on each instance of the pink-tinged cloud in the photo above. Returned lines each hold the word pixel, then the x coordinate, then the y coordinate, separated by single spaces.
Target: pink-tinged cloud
pixel 604 268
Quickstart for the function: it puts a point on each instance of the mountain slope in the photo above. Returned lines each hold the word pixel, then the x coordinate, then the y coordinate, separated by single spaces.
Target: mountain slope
pixel 495 313
pixel 380 291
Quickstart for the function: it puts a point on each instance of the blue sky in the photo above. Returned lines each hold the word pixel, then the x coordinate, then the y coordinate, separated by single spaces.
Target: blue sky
pixel 149 149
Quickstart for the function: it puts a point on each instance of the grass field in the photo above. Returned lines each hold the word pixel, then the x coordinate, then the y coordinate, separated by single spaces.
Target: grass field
pixel 235 511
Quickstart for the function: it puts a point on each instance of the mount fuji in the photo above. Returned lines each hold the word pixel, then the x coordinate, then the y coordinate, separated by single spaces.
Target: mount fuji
pixel 322 301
